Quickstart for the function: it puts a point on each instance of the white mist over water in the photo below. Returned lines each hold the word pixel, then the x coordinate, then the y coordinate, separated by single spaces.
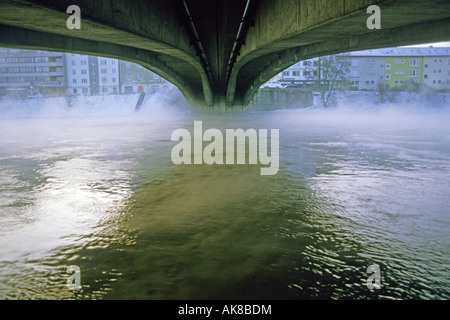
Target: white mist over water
pixel 94 185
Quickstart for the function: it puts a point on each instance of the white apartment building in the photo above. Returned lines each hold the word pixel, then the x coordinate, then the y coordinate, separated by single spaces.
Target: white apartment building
pixel 436 71
pixel 89 75
pixel 366 71
pixel 301 73
pixel 77 70
pixel 108 75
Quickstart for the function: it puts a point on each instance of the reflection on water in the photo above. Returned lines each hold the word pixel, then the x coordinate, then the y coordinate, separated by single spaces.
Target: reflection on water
pixel 353 190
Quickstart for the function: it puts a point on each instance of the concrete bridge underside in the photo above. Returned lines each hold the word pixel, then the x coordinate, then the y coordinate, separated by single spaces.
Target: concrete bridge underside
pixel 218 52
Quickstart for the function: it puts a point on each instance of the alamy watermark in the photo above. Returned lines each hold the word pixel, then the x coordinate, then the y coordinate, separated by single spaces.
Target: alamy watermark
pixel 374 21
pixel 74 21
pixel 235 140
pixel 74 280
pixel 374 280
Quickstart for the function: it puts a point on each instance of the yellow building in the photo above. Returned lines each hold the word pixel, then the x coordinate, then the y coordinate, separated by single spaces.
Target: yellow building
pixel 403 69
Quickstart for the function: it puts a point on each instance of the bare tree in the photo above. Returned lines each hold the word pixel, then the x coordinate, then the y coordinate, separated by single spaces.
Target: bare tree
pixel 330 74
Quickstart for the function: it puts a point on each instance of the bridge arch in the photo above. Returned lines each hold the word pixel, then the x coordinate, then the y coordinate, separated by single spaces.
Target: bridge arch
pixel 219 52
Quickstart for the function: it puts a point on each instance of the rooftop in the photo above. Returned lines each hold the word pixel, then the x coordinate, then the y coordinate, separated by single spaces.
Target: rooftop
pixel 410 51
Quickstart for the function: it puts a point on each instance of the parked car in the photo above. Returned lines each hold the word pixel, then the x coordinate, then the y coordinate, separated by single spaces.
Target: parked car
pixel 272 85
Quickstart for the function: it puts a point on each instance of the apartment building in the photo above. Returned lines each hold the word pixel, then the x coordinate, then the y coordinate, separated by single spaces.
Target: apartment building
pixel 108 73
pixel 366 71
pixel 302 73
pixel 78 79
pixel 27 73
pixel 90 75
pixel 135 78
pixel 391 66
pixel 436 70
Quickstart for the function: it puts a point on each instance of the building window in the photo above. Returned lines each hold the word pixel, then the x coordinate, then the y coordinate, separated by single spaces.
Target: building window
pixel 413 73
pixel 83 62
pixel 128 76
pixel 114 90
pixel 388 77
pixel 105 90
pixel 396 81
pixel 295 73
pixel 114 80
pixel 85 90
pixel 402 71
pixel 104 79
pixel 103 71
pixel 354 73
pixel 113 62
pixel 397 71
pixel 286 73
pixel 388 66
pixel 414 62
pixel 355 62
pixel 397 61
pixel 84 81
pixel 140 76
pixel 426 65
pixel 73 63
pixel 74 80
pixel 103 62
pixel 26 60
pixel 402 61
pixel 75 91
pixel 425 76
pixel 83 71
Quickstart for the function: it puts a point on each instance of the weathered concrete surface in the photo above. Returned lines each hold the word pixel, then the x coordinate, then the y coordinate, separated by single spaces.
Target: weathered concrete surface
pixel 218 52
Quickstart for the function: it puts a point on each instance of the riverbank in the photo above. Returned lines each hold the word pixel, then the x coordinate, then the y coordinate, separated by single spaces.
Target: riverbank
pixel 170 99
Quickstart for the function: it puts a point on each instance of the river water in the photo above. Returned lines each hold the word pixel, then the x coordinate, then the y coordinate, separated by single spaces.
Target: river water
pixel 354 189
